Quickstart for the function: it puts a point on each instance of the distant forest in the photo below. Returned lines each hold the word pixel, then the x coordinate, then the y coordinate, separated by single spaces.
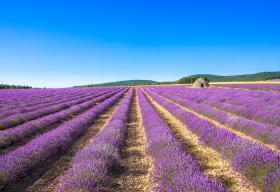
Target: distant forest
pixel 4 86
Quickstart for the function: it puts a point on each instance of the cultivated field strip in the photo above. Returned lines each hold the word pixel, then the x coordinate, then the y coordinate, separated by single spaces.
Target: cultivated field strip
pixel 92 165
pixel 44 95
pixel 17 119
pixel 14 97
pixel 210 161
pixel 41 102
pixel 49 180
pixel 139 139
pixel 20 161
pixel 254 105
pixel 55 103
pixel 44 104
pixel 133 170
pixel 252 159
pixel 31 94
pixel 260 87
pixel 25 105
pixel 25 131
pixel 180 171
pixel 268 134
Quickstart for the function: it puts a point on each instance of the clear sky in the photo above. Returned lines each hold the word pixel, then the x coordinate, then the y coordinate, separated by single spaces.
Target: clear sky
pixel 59 43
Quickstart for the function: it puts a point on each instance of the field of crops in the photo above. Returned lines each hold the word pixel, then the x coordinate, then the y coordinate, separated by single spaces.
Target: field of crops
pixel 252 86
pixel 144 138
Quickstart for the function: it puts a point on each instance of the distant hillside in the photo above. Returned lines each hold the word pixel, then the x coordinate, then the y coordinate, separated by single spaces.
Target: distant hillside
pixel 233 78
pixel 126 83
pixel 264 76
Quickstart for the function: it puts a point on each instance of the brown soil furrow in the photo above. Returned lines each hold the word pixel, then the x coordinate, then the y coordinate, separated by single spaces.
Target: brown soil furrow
pixel 217 123
pixel 132 174
pixel 46 178
pixel 210 160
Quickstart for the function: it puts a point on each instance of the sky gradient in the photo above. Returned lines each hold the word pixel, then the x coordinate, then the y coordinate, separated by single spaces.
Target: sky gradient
pixel 63 43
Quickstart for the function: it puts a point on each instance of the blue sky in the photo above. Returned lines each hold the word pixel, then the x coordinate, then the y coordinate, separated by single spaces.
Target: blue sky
pixel 59 43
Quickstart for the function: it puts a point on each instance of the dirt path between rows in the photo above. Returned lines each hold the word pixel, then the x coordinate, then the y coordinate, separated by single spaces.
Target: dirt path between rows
pixel 210 160
pixel 46 178
pixel 132 174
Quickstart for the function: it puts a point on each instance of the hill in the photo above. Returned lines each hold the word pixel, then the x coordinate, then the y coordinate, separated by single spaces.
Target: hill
pixel 263 76
pixel 126 83
pixel 232 78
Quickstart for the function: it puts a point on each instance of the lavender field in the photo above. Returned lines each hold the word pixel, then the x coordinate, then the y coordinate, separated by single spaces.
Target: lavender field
pixel 145 138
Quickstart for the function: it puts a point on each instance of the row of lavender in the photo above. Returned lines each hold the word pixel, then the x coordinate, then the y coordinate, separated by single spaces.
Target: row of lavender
pixel 19 118
pixel 42 103
pixel 263 87
pixel 266 133
pixel 13 96
pixel 11 99
pixel 92 164
pixel 57 141
pixel 12 135
pixel 18 97
pixel 174 169
pixel 253 105
pixel 257 162
pixel 36 99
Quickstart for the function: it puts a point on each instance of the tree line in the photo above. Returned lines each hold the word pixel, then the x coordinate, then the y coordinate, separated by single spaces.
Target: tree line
pixel 5 86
